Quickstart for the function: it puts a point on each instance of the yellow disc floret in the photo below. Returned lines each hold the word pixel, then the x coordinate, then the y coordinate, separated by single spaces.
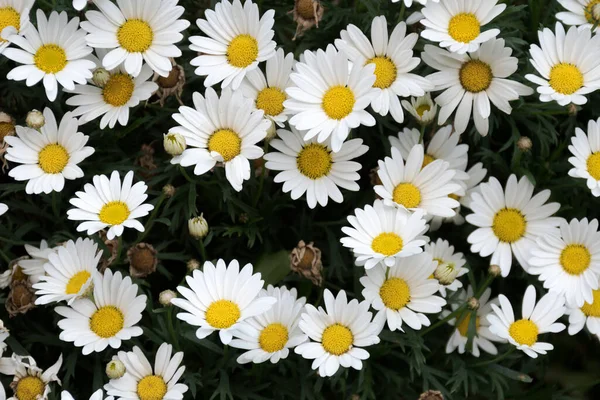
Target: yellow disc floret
pixel 338 102
pixel 107 321
pixel 464 27
pixel 337 339
pixel 221 314
pixel 475 76
pixel 50 58
pixel 509 225
pixel 135 36
pixel 118 90
pixel 225 142
pixel 9 17
pixel 575 259
pixel 387 243
pixel 151 387
pixel 314 161
pixel 407 195
pixel 30 388
pixel 566 78
pixel 114 213
pixel 270 100
pixel 53 159
pixel 385 72
pixel 524 332
pixel 273 337
pixel 242 51
pixel 77 281
pixel 395 293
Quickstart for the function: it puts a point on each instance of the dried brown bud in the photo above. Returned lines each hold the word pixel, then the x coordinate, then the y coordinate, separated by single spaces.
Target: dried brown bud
pixel 259 165
pixel 146 160
pixel 524 143
pixel 572 109
pixel 305 260
pixel 307 13
pixel 142 260
pixel 193 264
pixel 7 128
pixel 21 298
pixel 494 270
pixel 431 395
pixel 171 85
pixel 473 303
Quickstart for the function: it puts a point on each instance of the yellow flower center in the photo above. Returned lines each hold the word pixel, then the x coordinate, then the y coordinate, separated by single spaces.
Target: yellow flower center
pixel 9 17
pixel 589 11
pixel 463 326
pixel 270 100
pixel 509 225
pixel 118 90
pixel 475 76
pixel 395 293
pixel 151 387
pixel 407 195
pixel 29 388
pixel 242 51
pixel 221 314
pixel 107 321
pixel 385 72
pixel 427 159
pixel 524 332
pixel 422 109
pixel 566 78
pixel 338 102
pixel 77 281
pixel 225 142
pixel 53 158
pixel 273 338
pixel 454 196
pixel 464 27
pixel 114 213
pixel 314 161
pixel 50 58
pixel 387 244
pixel 135 36
pixel 592 310
pixel 337 339
pixel 6 128
pixel 593 165
pixel 575 259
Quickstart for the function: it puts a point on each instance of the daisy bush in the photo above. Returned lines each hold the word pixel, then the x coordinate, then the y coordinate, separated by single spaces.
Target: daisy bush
pixel 302 199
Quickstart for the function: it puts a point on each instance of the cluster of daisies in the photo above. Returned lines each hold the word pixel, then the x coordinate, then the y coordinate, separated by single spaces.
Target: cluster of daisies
pixel 304 111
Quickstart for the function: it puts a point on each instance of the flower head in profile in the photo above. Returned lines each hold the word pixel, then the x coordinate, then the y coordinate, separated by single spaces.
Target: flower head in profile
pixel 585 150
pixel 450 265
pixel 587 316
pixel 29 380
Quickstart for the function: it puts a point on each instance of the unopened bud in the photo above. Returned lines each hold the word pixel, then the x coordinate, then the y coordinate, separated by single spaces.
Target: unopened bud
pixel 115 369
pixel 101 77
pixel 174 143
pixel 473 303
pixel 494 270
pixel 193 264
pixel 446 273
pixel 524 143
pixel 198 227
pixel 166 296
pixel 572 109
pixel 168 190
pixel 35 119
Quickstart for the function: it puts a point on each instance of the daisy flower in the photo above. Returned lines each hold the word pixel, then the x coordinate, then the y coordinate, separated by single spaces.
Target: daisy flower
pixel 221 297
pixel 330 96
pixel 585 148
pixel 338 333
pixel 136 31
pixel 456 24
pixel 422 108
pixel 69 272
pixel 237 39
pixel 379 234
pixel 38 256
pixel 536 319
pixel 142 382
pixel 110 204
pixel 471 81
pixel 587 315
pixel 48 156
pixel 482 338
pixel 14 19
pixel 54 52
pixel 579 13
pixel 566 75
pixel 393 59
pixel 509 221
pixel 268 92
pixel 30 381
pixel 404 293
pixel 313 168
pixel 449 265
pixel 97 395
pixel 569 264
pixel 271 335
pixel 112 100
pixel 415 185
pixel 221 129
pixel 106 320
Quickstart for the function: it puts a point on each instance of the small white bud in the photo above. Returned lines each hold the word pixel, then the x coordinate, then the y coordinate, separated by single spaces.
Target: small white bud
pixel 193 264
pixel 174 143
pixel 35 119
pixel 115 369
pixel 101 77
pixel 446 273
pixel 166 296
pixel 198 227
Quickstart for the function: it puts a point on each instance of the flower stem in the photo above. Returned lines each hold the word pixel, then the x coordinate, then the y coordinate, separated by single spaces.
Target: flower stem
pixel 444 320
pixel 495 360
pixel 482 288
pixel 262 177
pixel 150 221
pixel 171 328
pixel 422 133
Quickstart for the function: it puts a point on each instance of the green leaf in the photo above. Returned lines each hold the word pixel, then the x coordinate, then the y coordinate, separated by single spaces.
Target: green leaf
pixel 273 266
pixel 511 374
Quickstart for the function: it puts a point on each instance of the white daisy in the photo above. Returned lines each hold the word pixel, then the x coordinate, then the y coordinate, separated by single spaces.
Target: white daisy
pixel 449 265
pixel 471 81
pixel 271 335
pixel 569 264
pixel 142 382
pixel 338 333
pixel 268 92
pixel 482 337
pixel 110 204
pixel 536 319
pixel 393 59
pixel 136 31
pixel 3 335
pixel 587 315
pixel 422 108
pixel 48 156
pixel 220 298
pixel 568 64
pixel 221 129
pixel 456 24
pixel 34 266
pixel 69 272
pixel 404 292
pixel 509 221
pixel 415 186
pixel 106 320
pixel 579 13
pixel 114 98
pixel 379 234
pixel 14 19
pixel 585 148
pixel 54 52
pixel 238 38
pixel 330 96
pixel 29 381
pixel 313 168
pixel 97 395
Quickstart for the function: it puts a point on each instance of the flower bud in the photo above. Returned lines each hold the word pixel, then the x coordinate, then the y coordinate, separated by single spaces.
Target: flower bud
pixel 446 273
pixel 35 119
pixel 193 264
pixel 174 143
pixel 101 77
pixel 166 296
pixel 494 270
pixel 198 227
pixel 473 303
pixel 168 190
pixel 524 143
pixel 115 369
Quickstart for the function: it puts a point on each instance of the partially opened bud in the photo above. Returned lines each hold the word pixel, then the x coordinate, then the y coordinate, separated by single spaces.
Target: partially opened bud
pixel 35 119
pixel 174 143
pixel 115 369
pixel 198 227
pixel 101 77
pixel 446 273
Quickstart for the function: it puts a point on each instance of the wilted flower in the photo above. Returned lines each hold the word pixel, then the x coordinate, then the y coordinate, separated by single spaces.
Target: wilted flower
pixel 171 85
pixel 7 128
pixel 115 369
pixel 305 260
pixel 198 227
pixel 142 260
pixel 431 395
pixel 35 119
pixel 21 297
pixel 174 143
pixel 146 160
pixel 166 296
pixel 307 13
